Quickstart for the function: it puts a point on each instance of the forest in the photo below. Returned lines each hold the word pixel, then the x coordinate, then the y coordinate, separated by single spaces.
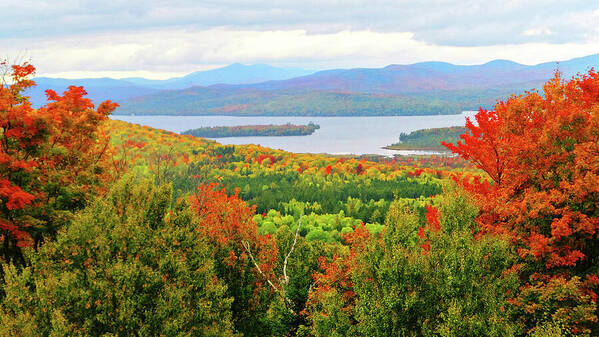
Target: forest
pixel 254 130
pixel 199 101
pixel 428 139
pixel 115 229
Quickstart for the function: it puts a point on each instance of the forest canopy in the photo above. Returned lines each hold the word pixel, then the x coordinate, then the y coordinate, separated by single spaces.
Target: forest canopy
pixel 110 228
pixel 253 130
pixel 428 139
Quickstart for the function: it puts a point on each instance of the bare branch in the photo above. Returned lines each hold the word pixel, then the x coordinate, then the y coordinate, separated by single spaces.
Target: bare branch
pixel 285 277
pixel 281 291
pixel 246 245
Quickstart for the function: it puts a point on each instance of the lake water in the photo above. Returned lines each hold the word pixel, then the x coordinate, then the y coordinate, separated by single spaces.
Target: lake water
pixel 337 135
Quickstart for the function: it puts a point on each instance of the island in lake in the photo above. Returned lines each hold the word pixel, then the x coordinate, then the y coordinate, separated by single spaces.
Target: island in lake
pixel 428 139
pixel 254 130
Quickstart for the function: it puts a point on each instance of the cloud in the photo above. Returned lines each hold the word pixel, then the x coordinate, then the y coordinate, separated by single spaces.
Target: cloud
pixel 178 51
pixel 457 22
pixel 174 37
pixel 538 32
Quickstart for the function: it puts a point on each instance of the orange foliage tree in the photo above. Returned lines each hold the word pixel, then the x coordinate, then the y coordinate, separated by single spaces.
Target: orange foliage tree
pixel 245 260
pixel 52 159
pixel 541 152
pixel 332 301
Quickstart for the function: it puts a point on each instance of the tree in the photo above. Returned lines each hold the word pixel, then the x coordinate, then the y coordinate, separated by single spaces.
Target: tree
pixel 541 153
pixel 52 159
pixel 129 264
pixel 226 221
pixel 418 280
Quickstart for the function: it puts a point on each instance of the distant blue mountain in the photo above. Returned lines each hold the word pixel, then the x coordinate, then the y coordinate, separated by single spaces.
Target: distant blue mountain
pixel 262 89
pixel 233 74
pixel 421 88
pixel 429 77
pixel 100 89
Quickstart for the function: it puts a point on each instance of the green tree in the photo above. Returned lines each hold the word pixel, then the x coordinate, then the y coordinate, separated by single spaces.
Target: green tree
pixel 418 280
pixel 127 265
pixel 437 279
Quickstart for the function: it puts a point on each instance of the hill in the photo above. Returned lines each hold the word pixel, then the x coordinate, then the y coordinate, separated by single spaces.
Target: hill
pixel 252 101
pixel 418 89
pixel 100 89
pixel 236 73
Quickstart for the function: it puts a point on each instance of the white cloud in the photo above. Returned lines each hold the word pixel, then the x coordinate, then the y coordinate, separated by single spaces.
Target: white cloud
pixel 152 75
pixel 450 22
pixel 177 51
pixel 537 32
pixel 166 37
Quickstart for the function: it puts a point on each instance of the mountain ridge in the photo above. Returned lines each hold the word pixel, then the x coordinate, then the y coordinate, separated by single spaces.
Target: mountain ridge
pixel 429 87
pixel 417 89
pixel 100 89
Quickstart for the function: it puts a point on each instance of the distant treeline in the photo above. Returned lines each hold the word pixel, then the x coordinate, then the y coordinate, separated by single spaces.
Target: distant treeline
pixel 254 130
pixel 235 102
pixel 428 139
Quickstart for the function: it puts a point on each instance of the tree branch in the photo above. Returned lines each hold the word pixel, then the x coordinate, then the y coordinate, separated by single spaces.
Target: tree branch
pixel 285 277
pixel 246 245
pixel 279 290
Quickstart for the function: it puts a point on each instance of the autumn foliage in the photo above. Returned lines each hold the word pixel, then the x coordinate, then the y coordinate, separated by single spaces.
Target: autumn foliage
pixel 541 152
pixel 226 221
pixel 198 238
pixel 52 159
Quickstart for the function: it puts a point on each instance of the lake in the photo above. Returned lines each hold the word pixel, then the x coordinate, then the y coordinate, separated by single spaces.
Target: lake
pixel 337 135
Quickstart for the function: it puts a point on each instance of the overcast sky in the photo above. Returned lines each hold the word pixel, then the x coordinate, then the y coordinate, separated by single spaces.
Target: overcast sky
pixel 160 39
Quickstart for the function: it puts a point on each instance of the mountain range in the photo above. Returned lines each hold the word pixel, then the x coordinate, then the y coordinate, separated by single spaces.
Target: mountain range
pixel 119 90
pixel 415 89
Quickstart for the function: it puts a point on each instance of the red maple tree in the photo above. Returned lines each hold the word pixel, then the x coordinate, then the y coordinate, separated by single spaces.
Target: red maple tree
pixel 541 152
pixel 245 260
pixel 52 159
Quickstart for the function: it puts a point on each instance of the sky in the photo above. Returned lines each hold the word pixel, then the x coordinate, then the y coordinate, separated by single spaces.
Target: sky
pixel 161 39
